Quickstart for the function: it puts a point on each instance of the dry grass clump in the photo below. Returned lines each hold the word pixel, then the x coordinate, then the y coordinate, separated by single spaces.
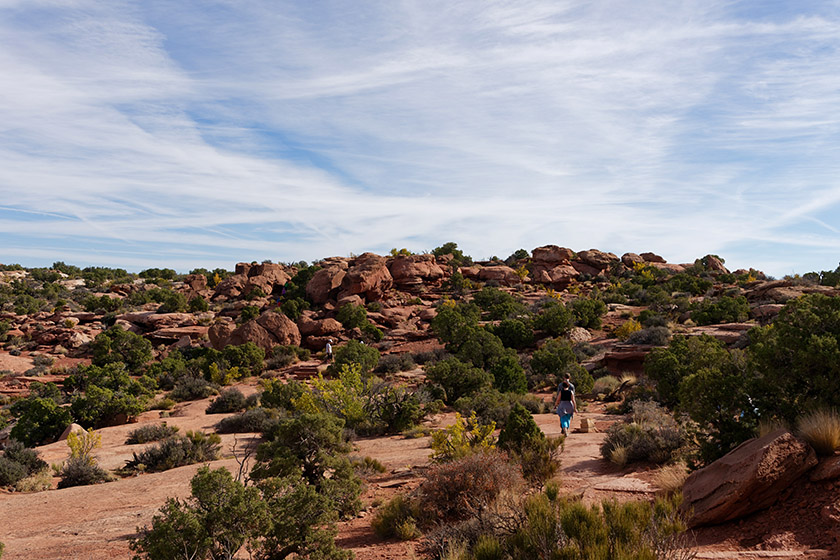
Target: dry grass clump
pixel 767 426
pixel 618 456
pixel 38 482
pixel 670 478
pixel 821 429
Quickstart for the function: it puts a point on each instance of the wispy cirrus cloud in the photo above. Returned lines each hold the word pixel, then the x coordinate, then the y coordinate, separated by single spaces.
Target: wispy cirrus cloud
pixel 202 133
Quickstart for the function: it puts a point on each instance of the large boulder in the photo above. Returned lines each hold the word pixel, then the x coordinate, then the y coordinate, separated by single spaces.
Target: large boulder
pixel 597 259
pixel 630 259
pixel 501 275
pixel 266 276
pixel 652 258
pixel 150 320
pixel 551 255
pixel 558 277
pixel 231 287
pixel 749 478
pixel 367 277
pixel 414 272
pixel 316 327
pixel 325 283
pixel 220 332
pixel 281 328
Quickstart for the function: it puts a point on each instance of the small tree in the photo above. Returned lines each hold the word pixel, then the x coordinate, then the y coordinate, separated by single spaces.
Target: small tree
pixel 119 345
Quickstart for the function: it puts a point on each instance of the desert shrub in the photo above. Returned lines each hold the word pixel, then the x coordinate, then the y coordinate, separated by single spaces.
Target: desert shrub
pixel 508 375
pixel 458 256
pixel 16 452
pixel 725 309
pixel 514 333
pixel 36 482
pixel 684 356
pixel 627 328
pixel 150 432
pixel 280 394
pixel 654 336
pixel 466 436
pixel 220 516
pixel 101 304
pixel 177 451
pixel 796 359
pixel 11 472
pixel 354 352
pixel 198 305
pixel 172 302
pixel 588 312
pixel 189 388
pixel 293 308
pixel 429 356
pixel 821 429
pixel 605 385
pixel 554 318
pixel 79 472
pixel 461 488
pixel 527 444
pixel 248 313
pixel 366 466
pixel 653 435
pixel 119 345
pixel 497 304
pixel 39 420
pixel 391 519
pixel 352 316
pixel 455 321
pixel 372 333
pixel 229 400
pixel 311 445
pixel 251 421
pixel 283 355
pixel 549 362
pixel 99 407
pixel 669 479
pixel 458 379
pixel 81 468
pixel 393 363
pixel 649 318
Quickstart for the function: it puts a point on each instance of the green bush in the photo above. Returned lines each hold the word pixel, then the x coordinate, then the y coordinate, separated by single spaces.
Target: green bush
pixel 40 420
pixel 101 304
pixel 497 304
pixel 281 356
pixel 527 444
pixel 294 308
pixel 80 471
pixel 177 451
pixel 588 312
pixel 725 309
pixel 458 256
pixel 190 388
pixel 491 405
pixel 508 375
pixel 454 322
pixel 554 318
pixel 219 518
pixel 462 488
pixel 684 356
pixel 280 394
pixel 458 379
pixel 653 436
pixel 396 513
pixel 173 302
pixel 550 362
pixel 11 472
pixel 119 345
pixel 100 407
pixel 394 363
pixel 255 420
pixel 150 432
pixel 354 352
pixel 352 316
pixel 229 400
pixel 198 305
pixel 515 333
pixel 248 312
pixel 654 336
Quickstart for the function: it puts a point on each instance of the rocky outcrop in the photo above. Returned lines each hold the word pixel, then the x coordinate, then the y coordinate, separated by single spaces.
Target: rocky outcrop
pixel 749 478
pixel 231 287
pixel 266 331
pixel 249 277
pixel 652 258
pixel 416 273
pixel 551 265
pixel 219 333
pixel 501 275
pixel 368 277
pixel 150 320
pixel 630 259
pixel 597 259
pixel 318 327
pixel 325 283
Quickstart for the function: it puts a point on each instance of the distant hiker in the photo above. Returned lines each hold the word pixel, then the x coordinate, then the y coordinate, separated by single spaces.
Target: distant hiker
pixel 328 350
pixel 565 406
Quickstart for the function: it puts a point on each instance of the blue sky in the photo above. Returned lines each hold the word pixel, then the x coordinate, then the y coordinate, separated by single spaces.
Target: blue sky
pixel 187 134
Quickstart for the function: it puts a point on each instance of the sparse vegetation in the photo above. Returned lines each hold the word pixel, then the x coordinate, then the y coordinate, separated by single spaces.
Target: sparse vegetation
pixel 821 429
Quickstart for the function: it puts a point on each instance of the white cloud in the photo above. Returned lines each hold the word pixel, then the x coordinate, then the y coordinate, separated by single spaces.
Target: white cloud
pixel 287 131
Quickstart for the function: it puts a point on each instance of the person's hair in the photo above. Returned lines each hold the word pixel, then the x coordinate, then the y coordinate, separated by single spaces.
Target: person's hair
pixel 566 384
pixel 567 376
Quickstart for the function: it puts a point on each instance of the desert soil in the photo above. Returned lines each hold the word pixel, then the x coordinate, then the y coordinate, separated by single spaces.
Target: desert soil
pixel 96 522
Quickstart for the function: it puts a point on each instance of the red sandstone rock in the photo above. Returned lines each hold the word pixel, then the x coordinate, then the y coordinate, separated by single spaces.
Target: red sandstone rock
pixel 629 259
pixel 551 255
pixel 325 283
pixel 219 333
pixel 415 272
pixel 749 478
pixel 502 275
pixel 597 259
pixel 283 329
pixel 652 258
pixel 322 327
pixel 368 277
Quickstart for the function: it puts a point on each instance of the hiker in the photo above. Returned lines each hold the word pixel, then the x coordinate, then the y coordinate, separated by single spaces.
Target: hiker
pixel 565 405
pixel 328 350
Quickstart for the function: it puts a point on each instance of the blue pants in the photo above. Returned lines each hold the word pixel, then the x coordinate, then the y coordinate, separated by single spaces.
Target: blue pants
pixel 565 420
